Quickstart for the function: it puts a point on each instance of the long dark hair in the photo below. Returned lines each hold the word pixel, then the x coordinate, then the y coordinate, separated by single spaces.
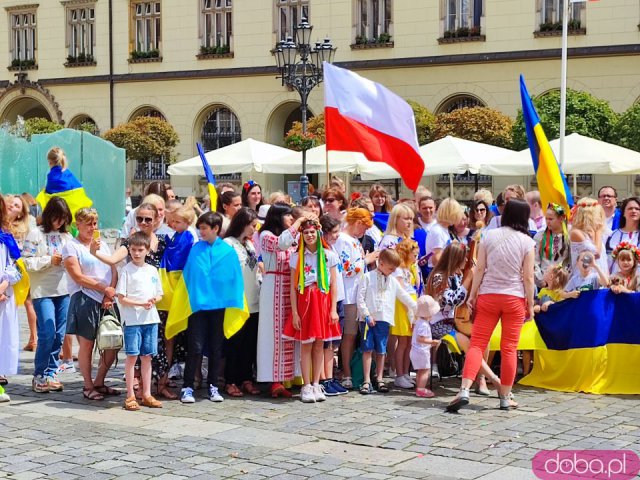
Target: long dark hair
pixel 474 213
pixel 244 193
pixel 625 202
pixel 3 215
pixel 56 209
pixel 239 222
pixel 157 187
pixel 273 221
pixel 516 216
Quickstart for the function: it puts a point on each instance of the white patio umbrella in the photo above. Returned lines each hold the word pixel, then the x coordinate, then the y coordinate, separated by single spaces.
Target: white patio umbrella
pixel 583 155
pixel 316 161
pixel 245 156
pixel 448 155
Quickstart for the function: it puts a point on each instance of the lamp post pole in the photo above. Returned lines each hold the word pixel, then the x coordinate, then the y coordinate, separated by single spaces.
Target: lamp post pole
pixel 300 68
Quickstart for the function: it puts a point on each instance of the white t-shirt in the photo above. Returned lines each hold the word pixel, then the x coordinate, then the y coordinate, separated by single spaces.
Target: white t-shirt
pixel 438 238
pixel 351 257
pixel 141 284
pixel 578 282
pixel 422 328
pixel 311 264
pixel 90 266
pixel 427 226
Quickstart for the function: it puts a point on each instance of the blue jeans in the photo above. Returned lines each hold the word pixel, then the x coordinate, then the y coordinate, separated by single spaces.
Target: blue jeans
pixel 51 326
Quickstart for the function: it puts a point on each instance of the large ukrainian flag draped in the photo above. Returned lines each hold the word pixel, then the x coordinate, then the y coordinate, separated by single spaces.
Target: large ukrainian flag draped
pixel 171 266
pixel 211 280
pixel 552 183
pixel 20 289
pixel 211 181
pixel 593 345
pixel 63 184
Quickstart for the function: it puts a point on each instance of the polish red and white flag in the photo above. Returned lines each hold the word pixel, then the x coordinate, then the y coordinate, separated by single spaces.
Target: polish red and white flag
pixel 363 116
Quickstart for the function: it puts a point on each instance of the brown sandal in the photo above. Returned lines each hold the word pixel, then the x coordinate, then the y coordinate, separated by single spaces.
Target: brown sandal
pixel 250 388
pixel 151 402
pixel 92 394
pixel 105 390
pixel 165 392
pixel 233 390
pixel 131 405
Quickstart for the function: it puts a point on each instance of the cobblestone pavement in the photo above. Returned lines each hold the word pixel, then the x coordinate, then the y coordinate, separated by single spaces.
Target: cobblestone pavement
pixel 396 435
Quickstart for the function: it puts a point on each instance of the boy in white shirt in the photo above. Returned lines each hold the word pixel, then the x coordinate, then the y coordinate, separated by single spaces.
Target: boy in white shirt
pixel 376 301
pixel 138 291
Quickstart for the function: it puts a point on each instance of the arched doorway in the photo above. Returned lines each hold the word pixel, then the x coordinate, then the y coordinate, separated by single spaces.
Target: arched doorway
pixel 26 108
pixel 85 123
pixel 28 100
pixel 459 101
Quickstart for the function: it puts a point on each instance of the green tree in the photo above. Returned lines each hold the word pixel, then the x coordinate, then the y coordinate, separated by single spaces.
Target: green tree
pixel 145 138
pixel 626 132
pixel 425 121
pixel 33 126
pixel 586 115
pixel 478 124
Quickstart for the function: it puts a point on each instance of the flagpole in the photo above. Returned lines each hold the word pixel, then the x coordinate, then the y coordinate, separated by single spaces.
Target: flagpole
pixel 326 159
pixel 563 77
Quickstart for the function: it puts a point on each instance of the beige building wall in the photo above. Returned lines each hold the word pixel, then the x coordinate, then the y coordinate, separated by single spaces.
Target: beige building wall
pixel 605 62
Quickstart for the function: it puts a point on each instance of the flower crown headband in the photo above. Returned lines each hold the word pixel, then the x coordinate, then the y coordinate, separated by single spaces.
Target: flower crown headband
pixel 310 223
pixel 248 185
pixel 558 209
pixel 626 246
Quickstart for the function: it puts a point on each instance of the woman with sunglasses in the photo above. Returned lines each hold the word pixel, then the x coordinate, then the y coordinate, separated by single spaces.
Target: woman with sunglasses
pixel 334 203
pixel 146 221
pixel 480 215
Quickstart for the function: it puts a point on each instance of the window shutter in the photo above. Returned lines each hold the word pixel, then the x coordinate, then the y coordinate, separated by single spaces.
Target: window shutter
pixel 538 18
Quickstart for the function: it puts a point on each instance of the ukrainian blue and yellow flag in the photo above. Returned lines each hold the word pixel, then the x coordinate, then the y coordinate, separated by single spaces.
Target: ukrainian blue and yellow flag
pixel 211 280
pixel 211 181
pixel 552 183
pixel 21 288
pixel 62 183
pixel 173 261
pixel 593 345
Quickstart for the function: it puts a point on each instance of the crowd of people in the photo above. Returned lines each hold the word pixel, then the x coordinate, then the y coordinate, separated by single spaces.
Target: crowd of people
pixel 326 284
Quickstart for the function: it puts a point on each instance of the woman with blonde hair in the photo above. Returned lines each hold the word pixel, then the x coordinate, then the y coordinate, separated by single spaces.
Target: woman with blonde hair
pixel 587 226
pixel 449 213
pixel 380 198
pixel 399 226
pixel 19 223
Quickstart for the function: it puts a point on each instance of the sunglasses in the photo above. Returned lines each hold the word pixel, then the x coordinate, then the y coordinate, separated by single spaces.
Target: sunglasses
pixel 330 200
pixel 481 209
pixel 144 219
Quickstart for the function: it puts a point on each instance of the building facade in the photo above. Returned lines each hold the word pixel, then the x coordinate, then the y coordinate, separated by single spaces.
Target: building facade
pixel 206 65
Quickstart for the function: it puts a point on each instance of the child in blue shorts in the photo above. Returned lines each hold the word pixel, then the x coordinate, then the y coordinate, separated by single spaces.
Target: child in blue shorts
pixel 138 291
pixel 377 294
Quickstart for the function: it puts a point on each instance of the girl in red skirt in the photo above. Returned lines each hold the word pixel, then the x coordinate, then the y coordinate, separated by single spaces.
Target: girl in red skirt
pixel 314 318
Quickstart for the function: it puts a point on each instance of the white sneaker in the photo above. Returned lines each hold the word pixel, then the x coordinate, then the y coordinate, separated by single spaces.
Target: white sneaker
pixel 214 395
pixel 402 382
pixel 66 366
pixel 318 391
pixel 435 373
pixel 187 395
pixel 307 395
pixel 408 377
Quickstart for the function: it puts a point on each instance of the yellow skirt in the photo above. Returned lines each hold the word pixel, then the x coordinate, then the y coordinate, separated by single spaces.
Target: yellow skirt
pixel 530 338
pixel 402 327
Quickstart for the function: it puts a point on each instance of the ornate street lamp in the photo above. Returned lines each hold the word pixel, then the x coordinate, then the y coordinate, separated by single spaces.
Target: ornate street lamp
pixel 300 68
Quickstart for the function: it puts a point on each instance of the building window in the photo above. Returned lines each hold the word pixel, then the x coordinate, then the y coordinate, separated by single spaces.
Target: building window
pixel 374 18
pixel 23 38
pixel 462 14
pixel 217 26
pixel 148 112
pixel 459 101
pixel 550 15
pixel 146 22
pixel 221 128
pixel 81 33
pixel 289 14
